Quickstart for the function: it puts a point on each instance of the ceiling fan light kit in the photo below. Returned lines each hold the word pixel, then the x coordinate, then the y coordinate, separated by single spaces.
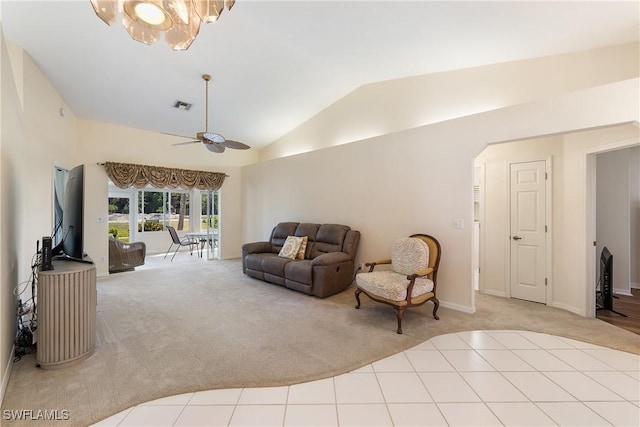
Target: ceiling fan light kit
pixel 214 142
pixel 144 20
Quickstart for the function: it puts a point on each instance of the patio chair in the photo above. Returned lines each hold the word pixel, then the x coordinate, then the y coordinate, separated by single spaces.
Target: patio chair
pixel 175 240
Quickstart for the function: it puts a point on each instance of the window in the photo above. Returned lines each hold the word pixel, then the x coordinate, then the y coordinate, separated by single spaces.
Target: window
pixel 120 218
pixel 133 211
pixel 159 208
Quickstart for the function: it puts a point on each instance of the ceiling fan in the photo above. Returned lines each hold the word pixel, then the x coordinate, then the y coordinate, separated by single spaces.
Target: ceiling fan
pixel 212 141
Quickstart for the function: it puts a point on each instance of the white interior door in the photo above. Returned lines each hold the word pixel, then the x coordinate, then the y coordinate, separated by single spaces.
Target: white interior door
pixel 528 231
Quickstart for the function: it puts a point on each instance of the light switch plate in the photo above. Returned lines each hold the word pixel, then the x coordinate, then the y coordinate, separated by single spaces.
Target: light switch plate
pixel 458 223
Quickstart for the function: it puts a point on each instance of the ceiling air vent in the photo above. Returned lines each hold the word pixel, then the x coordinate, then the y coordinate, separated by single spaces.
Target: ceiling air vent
pixel 181 105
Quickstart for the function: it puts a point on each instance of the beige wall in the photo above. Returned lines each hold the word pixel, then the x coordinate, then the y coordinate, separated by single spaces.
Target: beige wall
pixel 391 106
pixel 8 271
pixel 386 187
pixel 376 181
pixel 420 180
pixel 34 139
pixel 568 281
pixel 101 142
pixel 389 185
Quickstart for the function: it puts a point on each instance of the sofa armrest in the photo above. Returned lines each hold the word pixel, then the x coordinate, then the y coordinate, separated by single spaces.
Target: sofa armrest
pixel 330 258
pixel 255 248
pixel 332 272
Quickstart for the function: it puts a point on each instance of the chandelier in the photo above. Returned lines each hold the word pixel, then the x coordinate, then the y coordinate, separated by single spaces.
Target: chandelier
pixel 144 20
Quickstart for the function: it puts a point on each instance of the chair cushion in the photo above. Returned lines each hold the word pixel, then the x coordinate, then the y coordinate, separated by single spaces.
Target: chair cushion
pixel 299 271
pixel 274 265
pixel 409 255
pixel 255 261
pixel 391 285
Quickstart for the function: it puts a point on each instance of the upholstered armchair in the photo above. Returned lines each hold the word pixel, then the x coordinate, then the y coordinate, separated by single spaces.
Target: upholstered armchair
pixel 125 256
pixel 411 279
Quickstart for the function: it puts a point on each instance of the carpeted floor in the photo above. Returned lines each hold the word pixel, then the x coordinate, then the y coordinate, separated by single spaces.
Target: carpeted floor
pixel 192 325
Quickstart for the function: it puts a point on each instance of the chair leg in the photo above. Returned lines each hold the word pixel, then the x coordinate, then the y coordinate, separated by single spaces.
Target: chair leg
pixel 170 246
pixel 436 304
pixel 399 314
pixel 358 291
pixel 174 254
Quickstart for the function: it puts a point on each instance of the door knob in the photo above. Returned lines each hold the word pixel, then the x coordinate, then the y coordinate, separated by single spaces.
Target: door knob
pixel 517 238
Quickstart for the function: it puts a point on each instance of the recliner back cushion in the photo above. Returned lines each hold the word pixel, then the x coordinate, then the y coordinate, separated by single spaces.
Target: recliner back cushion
pixel 310 231
pixel 409 255
pixel 329 238
pixel 280 233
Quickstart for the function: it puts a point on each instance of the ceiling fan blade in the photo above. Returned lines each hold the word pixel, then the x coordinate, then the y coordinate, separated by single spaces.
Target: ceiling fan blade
pixel 185 143
pixel 219 139
pixel 179 136
pixel 212 146
pixel 237 145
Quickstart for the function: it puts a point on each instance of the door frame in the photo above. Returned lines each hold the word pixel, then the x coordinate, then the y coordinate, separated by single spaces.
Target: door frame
pixel 589 163
pixel 549 223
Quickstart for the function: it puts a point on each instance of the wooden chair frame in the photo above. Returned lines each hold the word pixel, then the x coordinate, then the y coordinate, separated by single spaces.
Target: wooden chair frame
pixel 431 272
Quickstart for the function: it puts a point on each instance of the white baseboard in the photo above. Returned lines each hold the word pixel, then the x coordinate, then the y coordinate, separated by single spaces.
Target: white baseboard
pixel 634 285
pixel 458 307
pixel 495 293
pixel 567 307
pixel 7 373
pixel 622 292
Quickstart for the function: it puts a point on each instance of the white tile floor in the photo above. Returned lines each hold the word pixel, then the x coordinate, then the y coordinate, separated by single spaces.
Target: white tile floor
pixel 479 378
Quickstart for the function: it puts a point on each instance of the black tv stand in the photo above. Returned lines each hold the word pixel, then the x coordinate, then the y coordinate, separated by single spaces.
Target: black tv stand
pixel 64 257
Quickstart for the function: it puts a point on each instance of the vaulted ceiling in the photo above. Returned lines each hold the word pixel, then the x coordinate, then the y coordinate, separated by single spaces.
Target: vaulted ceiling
pixel 275 64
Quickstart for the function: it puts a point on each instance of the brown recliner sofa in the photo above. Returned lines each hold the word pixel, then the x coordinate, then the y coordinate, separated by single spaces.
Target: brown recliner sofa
pixel 328 264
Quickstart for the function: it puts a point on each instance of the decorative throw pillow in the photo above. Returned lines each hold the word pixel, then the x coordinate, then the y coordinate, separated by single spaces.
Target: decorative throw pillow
pixel 291 247
pixel 303 247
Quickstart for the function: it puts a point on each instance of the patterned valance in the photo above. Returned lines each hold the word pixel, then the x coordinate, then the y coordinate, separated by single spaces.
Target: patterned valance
pixel 125 175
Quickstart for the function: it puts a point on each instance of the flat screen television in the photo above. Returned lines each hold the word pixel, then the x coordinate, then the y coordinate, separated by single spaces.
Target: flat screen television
pixel 71 247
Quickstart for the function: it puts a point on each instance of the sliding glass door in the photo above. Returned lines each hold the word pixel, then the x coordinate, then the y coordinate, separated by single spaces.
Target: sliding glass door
pixel 210 222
